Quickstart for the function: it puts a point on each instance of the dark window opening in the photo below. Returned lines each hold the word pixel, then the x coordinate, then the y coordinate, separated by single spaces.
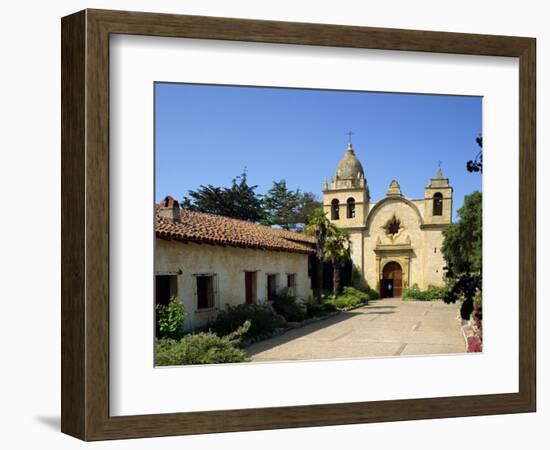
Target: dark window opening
pixel 438 205
pixel 205 291
pixel 166 287
pixel 312 270
pixel 393 226
pixel 271 287
pixel 351 208
pixel 335 210
pixel 250 288
pixel 291 280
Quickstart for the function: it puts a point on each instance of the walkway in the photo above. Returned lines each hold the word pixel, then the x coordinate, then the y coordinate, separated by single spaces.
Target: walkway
pixel 387 327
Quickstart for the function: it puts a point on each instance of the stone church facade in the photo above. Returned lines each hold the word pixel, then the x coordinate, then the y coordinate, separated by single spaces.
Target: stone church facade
pixel 396 241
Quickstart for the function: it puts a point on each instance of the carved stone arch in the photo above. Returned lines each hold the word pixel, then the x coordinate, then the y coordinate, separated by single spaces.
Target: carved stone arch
pixel 385 200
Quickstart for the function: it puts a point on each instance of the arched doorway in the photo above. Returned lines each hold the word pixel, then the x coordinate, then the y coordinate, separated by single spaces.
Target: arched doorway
pixel 392 280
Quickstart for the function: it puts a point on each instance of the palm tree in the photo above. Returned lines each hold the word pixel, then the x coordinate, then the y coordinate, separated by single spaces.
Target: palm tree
pixel 317 226
pixel 338 252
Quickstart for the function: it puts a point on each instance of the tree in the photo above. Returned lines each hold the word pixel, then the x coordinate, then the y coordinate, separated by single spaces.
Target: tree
pixel 476 164
pixel 306 205
pixel 281 206
pixel 286 208
pixel 317 226
pixel 239 201
pixel 462 249
pixel 338 251
pixel 463 239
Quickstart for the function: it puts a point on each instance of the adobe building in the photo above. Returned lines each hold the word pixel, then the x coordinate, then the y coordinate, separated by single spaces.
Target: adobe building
pixel 210 261
pixel 396 241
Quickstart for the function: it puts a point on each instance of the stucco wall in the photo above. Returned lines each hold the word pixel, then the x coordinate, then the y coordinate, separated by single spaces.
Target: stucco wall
pixel 229 265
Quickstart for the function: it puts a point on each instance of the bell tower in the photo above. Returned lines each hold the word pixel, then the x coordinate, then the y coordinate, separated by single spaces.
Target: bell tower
pixel 438 201
pixel 346 198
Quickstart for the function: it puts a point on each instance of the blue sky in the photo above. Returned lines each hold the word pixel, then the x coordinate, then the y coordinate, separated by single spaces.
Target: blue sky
pixel 208 134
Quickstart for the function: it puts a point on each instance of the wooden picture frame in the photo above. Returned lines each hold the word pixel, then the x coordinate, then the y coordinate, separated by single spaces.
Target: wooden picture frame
pixel 85 224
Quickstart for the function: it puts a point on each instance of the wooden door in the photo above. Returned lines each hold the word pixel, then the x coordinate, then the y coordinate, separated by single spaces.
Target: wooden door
pixel 398 283
pixel 271 287
pixel 392 280
pixel 249 287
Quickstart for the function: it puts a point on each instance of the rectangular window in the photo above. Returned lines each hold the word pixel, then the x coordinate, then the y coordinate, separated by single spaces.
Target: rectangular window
pixel 205 291
pixel 291 281
pixel 271 286
pixel 166 287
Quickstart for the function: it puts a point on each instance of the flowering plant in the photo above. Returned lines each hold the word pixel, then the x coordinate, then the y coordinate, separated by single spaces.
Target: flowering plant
pixel 474 345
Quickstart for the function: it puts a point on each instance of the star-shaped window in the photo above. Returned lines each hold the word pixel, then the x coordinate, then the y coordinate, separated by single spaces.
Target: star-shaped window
pixel 393 226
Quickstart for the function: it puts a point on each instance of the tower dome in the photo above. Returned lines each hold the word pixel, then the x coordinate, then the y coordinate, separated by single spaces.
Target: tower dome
pixel 350 167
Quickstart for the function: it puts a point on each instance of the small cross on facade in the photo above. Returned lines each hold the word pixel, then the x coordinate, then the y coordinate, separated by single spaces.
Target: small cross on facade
pixel 439 163
pixel 349 133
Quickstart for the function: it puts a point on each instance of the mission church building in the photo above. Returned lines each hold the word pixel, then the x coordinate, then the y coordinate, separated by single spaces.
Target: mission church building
pixel 396 241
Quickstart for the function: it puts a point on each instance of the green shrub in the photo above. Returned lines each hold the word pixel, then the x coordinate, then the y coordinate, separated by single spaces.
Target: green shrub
pixel 413 292
pixel 261 317
pixel 287 307
pixel 170 317
pixel 366 293
pixel 432 293
pixel 343 302
pixel 349 298
pixel 436 293
pixel 373 294
pixel 201 348
pixel 352 292
pixel 314 309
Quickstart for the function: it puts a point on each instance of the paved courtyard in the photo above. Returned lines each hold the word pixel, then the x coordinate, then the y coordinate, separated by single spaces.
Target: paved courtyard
pixel 387 327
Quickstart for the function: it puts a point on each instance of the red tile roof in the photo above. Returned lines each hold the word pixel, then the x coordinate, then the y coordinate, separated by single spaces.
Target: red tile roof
pixel 220 230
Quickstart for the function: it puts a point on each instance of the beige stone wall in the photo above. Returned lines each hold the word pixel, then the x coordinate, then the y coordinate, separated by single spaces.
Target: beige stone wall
pixel 410 221
pixel 433 259
pixel 229 265
pixel 357 240
pixel 420 203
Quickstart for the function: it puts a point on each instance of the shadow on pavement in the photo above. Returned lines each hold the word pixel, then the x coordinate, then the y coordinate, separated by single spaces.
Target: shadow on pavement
pixel 297 333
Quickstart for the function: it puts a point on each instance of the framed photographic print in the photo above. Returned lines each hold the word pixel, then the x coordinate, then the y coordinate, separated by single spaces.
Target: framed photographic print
pixel 272 225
